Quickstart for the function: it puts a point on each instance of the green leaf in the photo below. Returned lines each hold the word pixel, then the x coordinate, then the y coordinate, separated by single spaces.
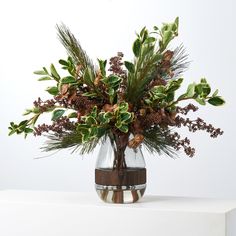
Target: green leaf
pixel 125 116
pixel 155 28
pixel 124 128
pixel 129 66
pixel 215 93
pixel 102 66
pixel 200 101
pixel 190 90
pixel 44 78
pixel 53 90
pixel 150 40
pixel 57 114
pixel 137 47
pixel 40 72
pixel 54 73
pixel 68 80
pixel 23 123
pixel 88 76
pixel 63 62
pixel 28 130
pixel 198 89
pixel 90 120
pixel 216 101
pixel 72 115
pixel 90 94
pixel 123 107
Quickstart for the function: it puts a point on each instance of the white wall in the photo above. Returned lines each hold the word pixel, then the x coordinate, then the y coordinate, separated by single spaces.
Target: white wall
pixel 28 41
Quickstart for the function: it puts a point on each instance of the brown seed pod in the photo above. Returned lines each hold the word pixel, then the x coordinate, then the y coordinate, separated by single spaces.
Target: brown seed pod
pixel 136 141
pixel 98 78
pixel 108 107
pixel 167 56
pixel 142 112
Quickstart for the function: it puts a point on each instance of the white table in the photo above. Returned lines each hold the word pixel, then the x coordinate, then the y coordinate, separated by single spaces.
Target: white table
pixel 35 213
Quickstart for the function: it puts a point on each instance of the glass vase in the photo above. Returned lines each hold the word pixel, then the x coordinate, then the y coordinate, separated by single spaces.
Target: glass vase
pixel 120 174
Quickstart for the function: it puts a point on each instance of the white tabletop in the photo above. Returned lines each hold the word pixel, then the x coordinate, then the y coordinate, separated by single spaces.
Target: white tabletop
pixel 44 213
pixel 154 202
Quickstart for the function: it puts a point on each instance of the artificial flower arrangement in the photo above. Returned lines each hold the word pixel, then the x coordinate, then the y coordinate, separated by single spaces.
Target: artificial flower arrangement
pixel 123 106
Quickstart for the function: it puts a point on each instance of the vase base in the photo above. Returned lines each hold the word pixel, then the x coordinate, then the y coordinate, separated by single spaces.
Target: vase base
pixel 120 194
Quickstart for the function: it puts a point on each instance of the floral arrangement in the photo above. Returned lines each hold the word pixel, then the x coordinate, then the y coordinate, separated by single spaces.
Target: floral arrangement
pixel 136 97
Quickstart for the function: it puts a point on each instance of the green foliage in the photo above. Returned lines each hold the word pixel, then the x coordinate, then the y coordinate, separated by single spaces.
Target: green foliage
pixel 102 66
pixel 52 90
pixel 116 98
pixel 201 93
pixel 137 47
pixel 216 101
pixel 56 114
pixel 129 66
pixel 123 117
pixel 68 65
pixel 112 83
pixel 167 33
pixel 88 77
pixel 54 73
pixel 144 66
pixel 162 96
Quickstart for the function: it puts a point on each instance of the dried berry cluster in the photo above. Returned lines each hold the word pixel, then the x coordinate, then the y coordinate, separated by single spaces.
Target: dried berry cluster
pixel 116 65
pixel 198 124
pixel 44 106
pixel 179 143
pixel 58 126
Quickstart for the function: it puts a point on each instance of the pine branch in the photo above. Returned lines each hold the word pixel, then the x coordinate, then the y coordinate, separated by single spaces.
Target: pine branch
pixel 156 140
pixel 71 140
pixel 179 62
pixel 73 47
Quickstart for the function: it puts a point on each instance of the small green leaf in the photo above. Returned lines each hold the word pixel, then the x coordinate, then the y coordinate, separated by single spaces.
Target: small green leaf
pixel 137 47
pixel 150 40
pixel 88 77
pixel 57 114
pixel 28 130
pixel 23 123
pixel 129 66
pixel 72 115
pixel 44 78
pixel 68 80
pixel 40 72
pixel 124 128
pixel 54 73
pixel 216 101
pixel 190 90
pixel 215 93
pixel 53 90
pixel 46 71
pixel 63 62
pixel 200 101
pixel 102 66
pixel 155 28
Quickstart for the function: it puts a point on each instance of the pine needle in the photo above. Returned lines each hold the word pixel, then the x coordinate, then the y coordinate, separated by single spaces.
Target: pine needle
pixel 73 47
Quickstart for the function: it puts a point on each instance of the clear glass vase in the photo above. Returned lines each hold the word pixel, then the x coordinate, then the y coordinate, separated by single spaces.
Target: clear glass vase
pixel 120 175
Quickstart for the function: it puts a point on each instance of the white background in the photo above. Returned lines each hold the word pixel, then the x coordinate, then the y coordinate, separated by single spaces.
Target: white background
pixel 28 41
